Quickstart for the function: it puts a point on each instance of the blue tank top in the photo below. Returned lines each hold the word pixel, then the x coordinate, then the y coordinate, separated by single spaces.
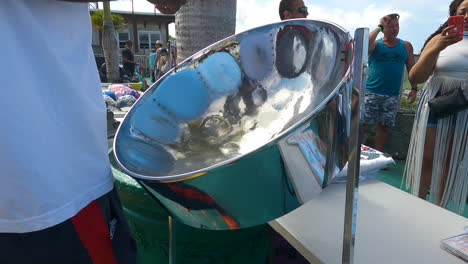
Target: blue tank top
pixel 386 68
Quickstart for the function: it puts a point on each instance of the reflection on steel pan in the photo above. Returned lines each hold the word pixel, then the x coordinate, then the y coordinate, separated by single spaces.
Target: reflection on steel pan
pixel 204 138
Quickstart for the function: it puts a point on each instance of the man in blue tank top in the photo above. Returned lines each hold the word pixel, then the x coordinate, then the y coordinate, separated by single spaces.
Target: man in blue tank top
pixel 387 58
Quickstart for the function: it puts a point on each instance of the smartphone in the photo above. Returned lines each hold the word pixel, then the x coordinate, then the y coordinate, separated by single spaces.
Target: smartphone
pixel 458 22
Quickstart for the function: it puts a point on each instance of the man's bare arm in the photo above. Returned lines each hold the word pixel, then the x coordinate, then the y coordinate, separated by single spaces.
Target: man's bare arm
pixel 372 43
pixel 373 34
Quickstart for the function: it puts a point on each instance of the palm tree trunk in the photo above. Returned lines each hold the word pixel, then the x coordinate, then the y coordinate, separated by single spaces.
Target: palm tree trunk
pixel 109 46
pixel 201 23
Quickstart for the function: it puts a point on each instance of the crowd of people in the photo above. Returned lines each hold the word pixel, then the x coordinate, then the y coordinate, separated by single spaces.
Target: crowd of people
pixel 57 185
pixel 159 62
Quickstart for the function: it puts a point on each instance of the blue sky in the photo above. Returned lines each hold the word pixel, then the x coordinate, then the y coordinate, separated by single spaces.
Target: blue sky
pixel 419 18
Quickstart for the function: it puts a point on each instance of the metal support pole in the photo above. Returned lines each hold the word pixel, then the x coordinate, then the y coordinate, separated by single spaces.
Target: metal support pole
pixel 359 70
pixel 172 241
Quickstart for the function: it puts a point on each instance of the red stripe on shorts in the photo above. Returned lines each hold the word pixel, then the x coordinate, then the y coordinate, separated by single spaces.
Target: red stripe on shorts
pixel 94 234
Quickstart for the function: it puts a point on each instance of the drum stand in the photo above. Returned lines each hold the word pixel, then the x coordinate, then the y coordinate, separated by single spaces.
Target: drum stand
pixel 359 69
pixel 172 240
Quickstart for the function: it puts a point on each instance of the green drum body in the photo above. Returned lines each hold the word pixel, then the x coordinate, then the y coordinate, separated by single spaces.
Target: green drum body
pixel 150 228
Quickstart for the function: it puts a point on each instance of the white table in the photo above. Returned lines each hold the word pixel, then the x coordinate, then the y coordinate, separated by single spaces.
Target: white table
pixel 392 227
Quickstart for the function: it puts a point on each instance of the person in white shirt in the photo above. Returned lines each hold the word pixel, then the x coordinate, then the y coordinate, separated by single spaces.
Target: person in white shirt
pixel 438 154
pixel 57 202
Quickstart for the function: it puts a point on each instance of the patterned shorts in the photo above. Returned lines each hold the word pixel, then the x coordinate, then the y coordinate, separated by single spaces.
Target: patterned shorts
pixel 380 108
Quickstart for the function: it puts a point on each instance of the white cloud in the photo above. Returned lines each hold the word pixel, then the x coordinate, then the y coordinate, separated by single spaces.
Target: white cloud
pixel 419 18
pixel 366 17
pixel 252 14
pixel 416 23
pixel 138 5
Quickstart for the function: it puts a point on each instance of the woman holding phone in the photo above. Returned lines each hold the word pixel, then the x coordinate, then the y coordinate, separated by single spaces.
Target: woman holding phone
pixel 438 153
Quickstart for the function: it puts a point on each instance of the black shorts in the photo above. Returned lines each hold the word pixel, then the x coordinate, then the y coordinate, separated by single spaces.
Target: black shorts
pixel 98 234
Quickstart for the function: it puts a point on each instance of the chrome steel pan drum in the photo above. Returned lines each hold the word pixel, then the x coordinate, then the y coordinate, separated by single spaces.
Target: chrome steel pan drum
pixel 204 138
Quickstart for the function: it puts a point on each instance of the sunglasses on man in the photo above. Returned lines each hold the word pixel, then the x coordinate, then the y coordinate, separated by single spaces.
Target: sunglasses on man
pixel 302 9
pixel 394 16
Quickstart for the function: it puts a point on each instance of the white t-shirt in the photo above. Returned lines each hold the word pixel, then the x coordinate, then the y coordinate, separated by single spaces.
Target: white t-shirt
pixel 452 62
pixel 53 145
